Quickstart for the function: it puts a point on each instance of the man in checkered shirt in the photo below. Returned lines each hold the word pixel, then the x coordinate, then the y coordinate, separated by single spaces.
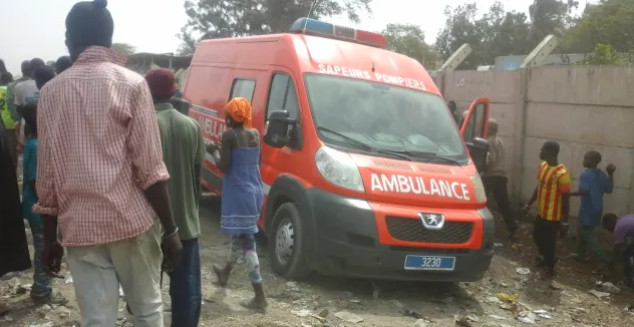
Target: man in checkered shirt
pixel 101 176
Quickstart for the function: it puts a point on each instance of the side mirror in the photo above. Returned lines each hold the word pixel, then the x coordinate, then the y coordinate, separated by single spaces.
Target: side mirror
pixel 478 149
pixel 278 129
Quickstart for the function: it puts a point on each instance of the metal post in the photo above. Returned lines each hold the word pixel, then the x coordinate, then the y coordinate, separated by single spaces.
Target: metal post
pixel 456 58
pixel 539 54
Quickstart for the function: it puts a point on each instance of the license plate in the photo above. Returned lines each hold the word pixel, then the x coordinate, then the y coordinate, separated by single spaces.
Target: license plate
pixel 417 262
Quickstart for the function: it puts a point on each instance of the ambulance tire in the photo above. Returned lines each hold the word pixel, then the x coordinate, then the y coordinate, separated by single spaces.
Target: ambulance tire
pixel 287 243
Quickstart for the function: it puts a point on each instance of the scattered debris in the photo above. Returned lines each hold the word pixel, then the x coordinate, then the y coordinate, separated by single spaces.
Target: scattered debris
pixel 609 287
pixel 498 245
pixel 413 314
pixel 21 289
pixel 497 317
pixel 322 319
pixel 420 323
pixel 473 318
pixel 598 294
pixel 543 314
pixel 462 321
pixel 526 317
pixel 398 304
pixel 324 313
pixel 355 301
pixel 301 313
pixel 69 280
pixel 556 286
pixel 523 271
pixel 349 317
pixel 507 297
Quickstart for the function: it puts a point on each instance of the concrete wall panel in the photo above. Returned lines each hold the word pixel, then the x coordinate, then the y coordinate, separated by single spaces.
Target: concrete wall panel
pixel 596 85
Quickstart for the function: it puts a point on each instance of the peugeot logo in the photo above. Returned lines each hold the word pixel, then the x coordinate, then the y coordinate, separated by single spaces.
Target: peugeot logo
pixel 432 221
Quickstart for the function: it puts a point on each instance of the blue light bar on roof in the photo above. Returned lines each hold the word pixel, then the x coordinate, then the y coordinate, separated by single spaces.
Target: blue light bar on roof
pixel 318 28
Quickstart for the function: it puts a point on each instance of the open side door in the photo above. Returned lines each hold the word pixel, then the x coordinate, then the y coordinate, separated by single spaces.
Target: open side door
pixel 475 130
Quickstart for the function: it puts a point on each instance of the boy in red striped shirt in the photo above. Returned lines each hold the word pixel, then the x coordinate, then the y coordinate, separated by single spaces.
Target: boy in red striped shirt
pixel 552 195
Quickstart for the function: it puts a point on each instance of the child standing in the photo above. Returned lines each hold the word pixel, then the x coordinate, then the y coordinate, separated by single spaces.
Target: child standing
pixel 41 292
pixel 553 206
pixel 593 184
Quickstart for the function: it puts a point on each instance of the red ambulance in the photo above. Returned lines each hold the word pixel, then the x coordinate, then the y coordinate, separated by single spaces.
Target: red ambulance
pixel 365 171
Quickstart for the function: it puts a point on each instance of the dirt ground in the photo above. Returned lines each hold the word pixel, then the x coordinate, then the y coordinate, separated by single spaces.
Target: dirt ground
pixel 321 300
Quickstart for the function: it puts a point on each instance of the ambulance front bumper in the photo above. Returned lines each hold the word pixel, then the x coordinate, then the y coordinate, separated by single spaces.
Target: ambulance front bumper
pixel 346 243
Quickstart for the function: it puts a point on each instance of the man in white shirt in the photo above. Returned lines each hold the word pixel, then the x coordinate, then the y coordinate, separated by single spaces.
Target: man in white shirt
pixel 495 179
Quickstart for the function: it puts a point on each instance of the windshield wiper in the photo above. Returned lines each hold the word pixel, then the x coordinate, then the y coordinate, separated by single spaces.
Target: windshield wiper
pixel 432 156
pixel 365 146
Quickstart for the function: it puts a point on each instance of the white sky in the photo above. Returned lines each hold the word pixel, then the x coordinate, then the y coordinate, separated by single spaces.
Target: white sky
pixel 35 28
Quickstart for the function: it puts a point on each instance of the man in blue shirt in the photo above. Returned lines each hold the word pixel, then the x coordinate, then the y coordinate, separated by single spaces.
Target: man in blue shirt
pixel 593 184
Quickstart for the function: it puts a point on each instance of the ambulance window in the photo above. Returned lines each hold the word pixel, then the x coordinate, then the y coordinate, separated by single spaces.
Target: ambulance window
pixel 243 88
pixel 283 96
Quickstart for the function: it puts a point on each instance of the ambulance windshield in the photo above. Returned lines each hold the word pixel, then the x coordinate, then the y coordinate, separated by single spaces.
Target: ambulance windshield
pixel 384 117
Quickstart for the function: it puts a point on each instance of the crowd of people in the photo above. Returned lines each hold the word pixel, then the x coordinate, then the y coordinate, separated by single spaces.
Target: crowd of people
pixel 111 174
pixel 111 180
pixel 552 194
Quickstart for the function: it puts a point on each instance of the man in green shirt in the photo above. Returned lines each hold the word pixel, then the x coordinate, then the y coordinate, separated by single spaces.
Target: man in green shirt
pixel 183 152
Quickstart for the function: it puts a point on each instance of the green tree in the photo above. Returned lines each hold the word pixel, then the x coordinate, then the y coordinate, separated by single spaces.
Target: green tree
pixel 461 28
pixel 604 54
pixel 410 41
pixel 124 48
pixel 550 17
pixel 496 33
pixel 227 18
pixel 610 22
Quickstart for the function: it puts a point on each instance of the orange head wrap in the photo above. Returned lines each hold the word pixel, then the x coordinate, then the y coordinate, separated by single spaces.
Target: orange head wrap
pixel 239 109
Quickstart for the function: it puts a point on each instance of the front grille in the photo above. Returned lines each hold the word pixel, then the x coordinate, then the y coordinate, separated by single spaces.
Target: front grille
pixel 392 165
pixel 412 230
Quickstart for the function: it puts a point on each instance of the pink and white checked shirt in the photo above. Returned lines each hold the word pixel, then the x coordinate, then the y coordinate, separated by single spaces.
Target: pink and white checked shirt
pixel 99 149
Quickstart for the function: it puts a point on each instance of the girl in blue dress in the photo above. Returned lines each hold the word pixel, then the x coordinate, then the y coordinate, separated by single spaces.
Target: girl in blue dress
pixel 238 157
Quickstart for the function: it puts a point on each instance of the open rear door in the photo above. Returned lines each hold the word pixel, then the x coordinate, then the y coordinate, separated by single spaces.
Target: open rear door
pixel 475 130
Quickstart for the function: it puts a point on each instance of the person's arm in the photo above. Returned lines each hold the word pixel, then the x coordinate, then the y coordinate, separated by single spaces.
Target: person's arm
pixel 531 200
pixel 610 169
pixel 45 185
pixel 200 156
pixel 563 185
pixel 146 155
pixel 492 154
pixel 228 143
pixel 565 206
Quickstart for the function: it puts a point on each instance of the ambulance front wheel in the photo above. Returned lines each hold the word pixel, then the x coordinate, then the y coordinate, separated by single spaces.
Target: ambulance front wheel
pixel 287 244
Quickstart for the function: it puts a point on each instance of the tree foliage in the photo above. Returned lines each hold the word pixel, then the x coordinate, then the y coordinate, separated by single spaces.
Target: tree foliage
pixel 604 54
pixel 126 49
pixel 550 17
pixel 494 34
pixel 227 18
pixel 610 22
pixel 410 41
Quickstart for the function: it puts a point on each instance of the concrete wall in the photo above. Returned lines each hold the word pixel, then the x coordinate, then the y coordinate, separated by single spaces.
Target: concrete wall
pixel 582 107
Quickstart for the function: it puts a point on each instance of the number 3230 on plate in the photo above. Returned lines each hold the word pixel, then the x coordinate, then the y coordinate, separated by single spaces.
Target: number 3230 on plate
pixel 417 262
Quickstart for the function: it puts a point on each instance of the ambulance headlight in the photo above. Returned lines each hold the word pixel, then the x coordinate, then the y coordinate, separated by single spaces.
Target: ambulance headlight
pixel 338 168
pixel 480 193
